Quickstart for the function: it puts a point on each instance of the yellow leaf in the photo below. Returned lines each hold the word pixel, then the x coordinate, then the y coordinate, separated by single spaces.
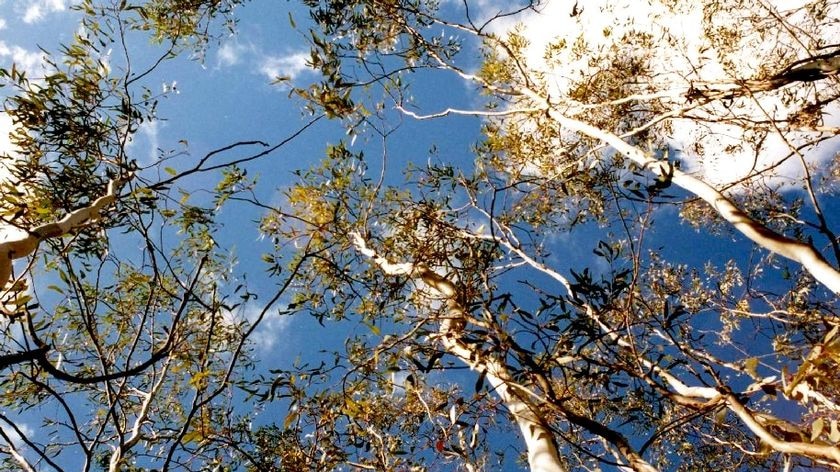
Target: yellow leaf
pixel 193 436
pixel 290 418
pixel 750 366
pixel 831 333
pixel 373 328
pixel 817 428
pixel 199 380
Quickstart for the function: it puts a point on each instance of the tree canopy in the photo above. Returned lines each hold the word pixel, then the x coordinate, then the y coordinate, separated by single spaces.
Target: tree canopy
pixel 632 263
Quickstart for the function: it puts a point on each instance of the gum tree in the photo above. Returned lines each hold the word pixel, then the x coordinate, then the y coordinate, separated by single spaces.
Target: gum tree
pixel 648 358
pixel 119 325
pixel 481 318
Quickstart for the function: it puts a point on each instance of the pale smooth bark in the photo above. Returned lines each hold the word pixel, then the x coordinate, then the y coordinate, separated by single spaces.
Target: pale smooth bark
pixel 539 440
pixel 116 462
pixel 816 449
pixel 16 455
pixel 684 393
pixel 804 254
pixel 795 250
pixel 25 242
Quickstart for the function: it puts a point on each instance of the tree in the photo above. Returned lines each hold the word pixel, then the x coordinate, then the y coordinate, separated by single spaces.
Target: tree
pixel 120 325
pixel 649 359
pixel 482 318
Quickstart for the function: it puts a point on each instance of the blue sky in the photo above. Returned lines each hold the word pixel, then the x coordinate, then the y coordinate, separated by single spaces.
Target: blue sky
pixel 226 98
pixel 229 97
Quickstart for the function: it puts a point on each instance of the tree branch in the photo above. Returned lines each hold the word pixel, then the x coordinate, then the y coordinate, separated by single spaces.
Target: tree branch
pixel 795 250
pixel 815 450
pixel 542 452
pixel 22 245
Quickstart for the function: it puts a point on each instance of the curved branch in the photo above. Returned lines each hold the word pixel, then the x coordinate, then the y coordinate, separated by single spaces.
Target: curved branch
pixel 156 356
pixel 822 451
pixel 21 357
pixel 23 245
pixel 16 455
pixel 797 251
pixel 267 149
pixel 790 248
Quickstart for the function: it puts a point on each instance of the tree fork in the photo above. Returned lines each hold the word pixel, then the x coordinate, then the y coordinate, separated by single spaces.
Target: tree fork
pixel 539 440
pixel 25 244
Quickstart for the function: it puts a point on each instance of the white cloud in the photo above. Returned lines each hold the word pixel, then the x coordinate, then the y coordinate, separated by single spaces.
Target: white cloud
pixel 689 46
pixel 290 66
pixel 6 147
pixel 31 62
pixel 230 54
pixel 33 14
pixel 272 66
pixel 2 24
pixel 398 382
pixel 150 131
pixel 38 9
pixel 268 332
pixel 16 438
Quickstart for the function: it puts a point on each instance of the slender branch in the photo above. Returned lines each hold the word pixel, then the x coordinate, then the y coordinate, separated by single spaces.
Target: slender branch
pixel 156 356
pixel 21 357
pixel 811 70
pixel 795 250
pixel 816 450
pixel 199 167
pixel 141 418
pixel 16 455
pixel 456 111
pixel 685 394
pixel 27 442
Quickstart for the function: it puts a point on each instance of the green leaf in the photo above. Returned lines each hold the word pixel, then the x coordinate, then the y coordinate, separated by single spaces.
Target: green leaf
pixel 170 170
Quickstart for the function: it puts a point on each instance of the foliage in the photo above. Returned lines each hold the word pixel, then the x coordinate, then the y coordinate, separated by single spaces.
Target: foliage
pixel 548 286
pixel 121 331
pixel 650 356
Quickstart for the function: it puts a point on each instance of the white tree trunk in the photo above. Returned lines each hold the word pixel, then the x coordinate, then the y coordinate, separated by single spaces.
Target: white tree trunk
pixel 539 440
